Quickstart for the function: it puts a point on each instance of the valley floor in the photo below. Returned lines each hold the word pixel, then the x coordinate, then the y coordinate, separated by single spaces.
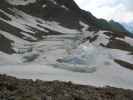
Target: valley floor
pixel 12 88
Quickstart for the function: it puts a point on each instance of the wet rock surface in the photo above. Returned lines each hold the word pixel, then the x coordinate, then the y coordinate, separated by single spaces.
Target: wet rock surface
pixel 21 89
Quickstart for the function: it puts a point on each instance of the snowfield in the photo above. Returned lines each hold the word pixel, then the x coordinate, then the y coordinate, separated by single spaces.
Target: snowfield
pixel 103 76
pixel 87 65
pixel 76 55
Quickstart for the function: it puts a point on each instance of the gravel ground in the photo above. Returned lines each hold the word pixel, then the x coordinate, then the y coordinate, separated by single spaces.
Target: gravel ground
pixel 12 88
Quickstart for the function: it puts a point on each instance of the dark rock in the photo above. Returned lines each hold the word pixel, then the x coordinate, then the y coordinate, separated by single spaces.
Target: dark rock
pixel 22 89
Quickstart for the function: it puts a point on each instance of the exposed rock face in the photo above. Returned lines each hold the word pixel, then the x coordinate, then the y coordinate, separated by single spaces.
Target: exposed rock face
pixel 15 89
pixel 7 47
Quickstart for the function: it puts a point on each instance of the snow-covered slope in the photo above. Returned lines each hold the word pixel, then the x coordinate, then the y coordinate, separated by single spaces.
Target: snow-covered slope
pixel 52 40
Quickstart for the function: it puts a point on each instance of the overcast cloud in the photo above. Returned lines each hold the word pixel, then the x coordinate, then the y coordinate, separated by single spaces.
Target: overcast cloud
pixel 119 10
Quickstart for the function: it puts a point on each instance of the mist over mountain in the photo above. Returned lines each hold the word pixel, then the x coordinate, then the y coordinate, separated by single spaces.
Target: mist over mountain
pixel 128 26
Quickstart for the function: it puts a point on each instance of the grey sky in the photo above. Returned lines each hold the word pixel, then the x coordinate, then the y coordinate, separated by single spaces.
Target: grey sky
pixel 119 10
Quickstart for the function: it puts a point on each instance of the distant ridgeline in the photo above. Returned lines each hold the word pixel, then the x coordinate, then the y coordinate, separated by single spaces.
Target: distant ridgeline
pixel 105 25
pixel 112 26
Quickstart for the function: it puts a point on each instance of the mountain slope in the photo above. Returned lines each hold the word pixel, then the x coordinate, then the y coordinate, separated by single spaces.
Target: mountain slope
pixel 128 26
pixel 111 25
pixel 27 24
pixel 57 39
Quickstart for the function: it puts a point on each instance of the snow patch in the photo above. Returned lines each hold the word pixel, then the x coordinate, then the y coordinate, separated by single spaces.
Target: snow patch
pixel 13 38
pixel 63 6
pixel 105 75
pixel 20 2
pixel 53 1
pixel 6 59
pixel 44 6
pixel 27 22
pixel 101 39
pixel 129 40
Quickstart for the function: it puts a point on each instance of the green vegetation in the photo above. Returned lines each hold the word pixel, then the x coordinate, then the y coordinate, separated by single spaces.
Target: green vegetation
pixel 110 25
